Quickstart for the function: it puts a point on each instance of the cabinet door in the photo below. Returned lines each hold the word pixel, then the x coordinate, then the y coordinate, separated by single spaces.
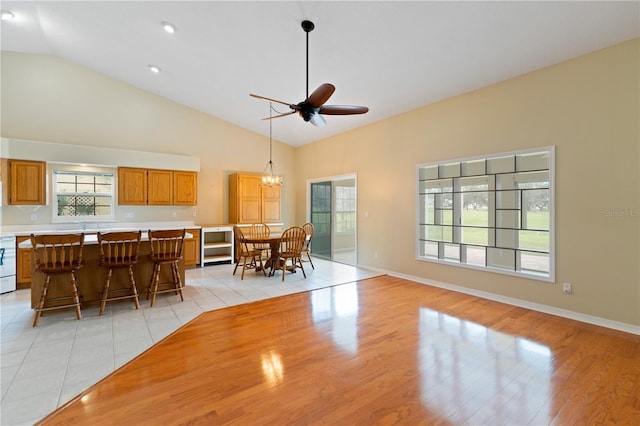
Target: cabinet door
pixel 132 186
pixel 249 199
pixel 28 182
pixel 185 188
pixel 191 248
pixel 160 189
pixel 23 263
pixel 271 205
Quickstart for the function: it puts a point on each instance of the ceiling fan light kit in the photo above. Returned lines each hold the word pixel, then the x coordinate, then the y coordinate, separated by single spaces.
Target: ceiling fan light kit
pixel 313 107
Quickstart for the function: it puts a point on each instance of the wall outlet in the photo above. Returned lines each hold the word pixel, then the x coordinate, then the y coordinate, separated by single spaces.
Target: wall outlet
pixel 129 215
pixel 566 288
pixel 34 217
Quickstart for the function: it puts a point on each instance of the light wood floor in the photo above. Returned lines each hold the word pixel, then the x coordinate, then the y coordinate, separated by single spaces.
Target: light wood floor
pixel 378 351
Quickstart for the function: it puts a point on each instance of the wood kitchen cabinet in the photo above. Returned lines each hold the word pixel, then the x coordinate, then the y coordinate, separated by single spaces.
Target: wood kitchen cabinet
pixel 251 203
pixel 191 249
pixel 160 187
pixel 185 188
pixel 27 182
pixel 156 187
pixel 23 264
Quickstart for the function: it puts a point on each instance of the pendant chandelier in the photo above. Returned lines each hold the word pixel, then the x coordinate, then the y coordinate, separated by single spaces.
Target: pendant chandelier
pixel 269 178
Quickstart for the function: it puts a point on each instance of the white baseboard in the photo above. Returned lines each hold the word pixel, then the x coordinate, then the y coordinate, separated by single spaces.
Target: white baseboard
pixel 589 319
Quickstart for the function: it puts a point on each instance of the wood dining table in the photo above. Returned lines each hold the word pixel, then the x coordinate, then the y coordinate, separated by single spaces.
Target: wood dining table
pixel 273 262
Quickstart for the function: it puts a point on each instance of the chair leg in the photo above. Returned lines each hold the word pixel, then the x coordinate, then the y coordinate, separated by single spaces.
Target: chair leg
pixel 105 292
pixel 177 281
pixel 310 261
pixel 134 289
pixel 301 267
pixel 284 267
pixel 261 265
pixel 155 277
pixel 43 297
pixel 244 266
pixel 237 263
pixel 76 297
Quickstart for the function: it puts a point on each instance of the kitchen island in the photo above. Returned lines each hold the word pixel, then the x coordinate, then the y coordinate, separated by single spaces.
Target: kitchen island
pixel 91 277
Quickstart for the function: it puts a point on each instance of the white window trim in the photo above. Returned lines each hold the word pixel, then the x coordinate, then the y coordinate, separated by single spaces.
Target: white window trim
pixel 550 277
pixel 81 169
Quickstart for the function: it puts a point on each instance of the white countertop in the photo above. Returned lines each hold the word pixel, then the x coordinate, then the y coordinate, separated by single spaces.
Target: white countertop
pixel 92 239
pixel 92 228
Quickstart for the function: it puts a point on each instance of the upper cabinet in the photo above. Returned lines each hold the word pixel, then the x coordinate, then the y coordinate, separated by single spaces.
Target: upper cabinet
pixel 132 186
pixel 160 187
pixel 185 188
pixel 27 182
pixel 251 203
pixel 156 187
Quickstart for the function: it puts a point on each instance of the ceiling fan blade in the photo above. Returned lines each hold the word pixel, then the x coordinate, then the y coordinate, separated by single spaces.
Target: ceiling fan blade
pixel 321 95
pixel 280 115
pixel 342 109
pixel 292 106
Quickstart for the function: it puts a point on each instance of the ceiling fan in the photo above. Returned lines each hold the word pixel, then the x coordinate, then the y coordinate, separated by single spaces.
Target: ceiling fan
pixel 313 107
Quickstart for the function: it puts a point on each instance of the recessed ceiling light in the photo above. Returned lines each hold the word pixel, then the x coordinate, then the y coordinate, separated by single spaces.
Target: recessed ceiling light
pixel 168 27
pixel 154 69
pixel 6 15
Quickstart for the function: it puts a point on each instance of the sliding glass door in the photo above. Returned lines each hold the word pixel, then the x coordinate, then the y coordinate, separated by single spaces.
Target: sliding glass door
pixel 333 213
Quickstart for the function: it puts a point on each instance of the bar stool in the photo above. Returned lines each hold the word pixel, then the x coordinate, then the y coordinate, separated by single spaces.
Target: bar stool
pixel 166 249
pixel 57 255
pixel 119 250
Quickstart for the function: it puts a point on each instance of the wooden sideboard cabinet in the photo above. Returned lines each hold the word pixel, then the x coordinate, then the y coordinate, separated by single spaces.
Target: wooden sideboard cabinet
pixel 156 187
pixel 251 203
pixel 27 182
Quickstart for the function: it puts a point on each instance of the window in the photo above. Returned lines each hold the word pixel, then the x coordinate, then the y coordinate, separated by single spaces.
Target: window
pixel 83 195
pixel 494 213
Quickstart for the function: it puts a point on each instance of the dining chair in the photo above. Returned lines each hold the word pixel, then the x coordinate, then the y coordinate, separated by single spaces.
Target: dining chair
pixel 245 253
pixel 306 247
pixel 291 244
pixel 119 250
pixel 166 249
pixel 260 230
pixel 57 255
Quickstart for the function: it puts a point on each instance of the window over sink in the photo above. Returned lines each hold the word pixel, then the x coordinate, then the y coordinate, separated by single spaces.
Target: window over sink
pixel 83 195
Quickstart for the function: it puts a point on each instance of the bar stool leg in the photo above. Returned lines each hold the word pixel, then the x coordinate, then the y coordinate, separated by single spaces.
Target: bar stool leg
pixel 176 280
pixel 105 292
pixel 153 288
pixel 134 289
pixel 76 297
pixel 43 297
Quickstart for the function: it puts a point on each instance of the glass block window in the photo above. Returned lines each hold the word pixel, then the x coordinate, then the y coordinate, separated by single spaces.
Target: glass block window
pixel 493 212
pixel 83 195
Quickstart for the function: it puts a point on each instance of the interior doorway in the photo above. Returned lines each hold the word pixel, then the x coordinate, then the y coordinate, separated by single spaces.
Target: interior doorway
pixel 332 209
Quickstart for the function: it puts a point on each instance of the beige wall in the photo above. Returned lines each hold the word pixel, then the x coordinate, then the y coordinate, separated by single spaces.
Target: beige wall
pixel 48 99
pixel 586 107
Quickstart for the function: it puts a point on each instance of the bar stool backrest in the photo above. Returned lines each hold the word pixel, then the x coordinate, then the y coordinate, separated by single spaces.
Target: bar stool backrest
pixel 57 253
pixel 166 245
pixel 119 248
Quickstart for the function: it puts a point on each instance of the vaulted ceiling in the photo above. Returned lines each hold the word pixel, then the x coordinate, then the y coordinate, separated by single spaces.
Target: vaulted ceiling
pixel 392 56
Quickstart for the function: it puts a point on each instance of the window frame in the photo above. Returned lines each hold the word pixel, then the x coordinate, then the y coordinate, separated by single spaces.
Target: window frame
pixel 82 170
pixel 447 170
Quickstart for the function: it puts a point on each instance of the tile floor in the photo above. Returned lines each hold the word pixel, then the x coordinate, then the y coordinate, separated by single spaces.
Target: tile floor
pixel 44 367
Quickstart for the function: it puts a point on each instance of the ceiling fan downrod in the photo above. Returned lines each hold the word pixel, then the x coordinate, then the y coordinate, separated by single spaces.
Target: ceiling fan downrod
pixel 307 26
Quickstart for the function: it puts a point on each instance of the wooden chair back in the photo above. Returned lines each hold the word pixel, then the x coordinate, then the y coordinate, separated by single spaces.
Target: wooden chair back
pixel 242 248
pixel 57 253
pixel 292 241
pixel 119 248
pixel 166 245
pixel 309 230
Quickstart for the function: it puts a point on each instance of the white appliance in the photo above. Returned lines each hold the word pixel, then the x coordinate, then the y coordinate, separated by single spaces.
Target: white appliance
pixel 7 263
